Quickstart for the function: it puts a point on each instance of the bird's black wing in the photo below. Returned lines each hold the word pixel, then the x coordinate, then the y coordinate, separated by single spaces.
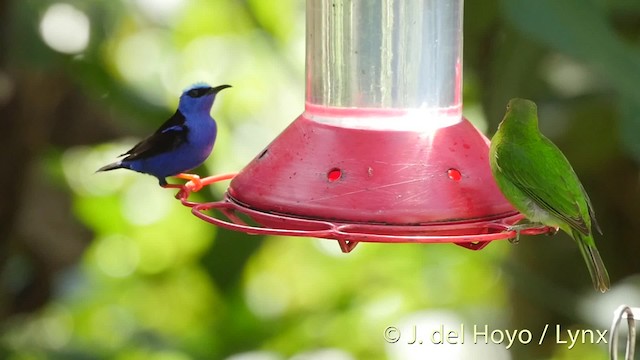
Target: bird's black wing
pixel 169 136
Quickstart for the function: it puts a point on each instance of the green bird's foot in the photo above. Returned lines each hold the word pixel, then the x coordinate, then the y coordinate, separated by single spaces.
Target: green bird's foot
pixel 520 227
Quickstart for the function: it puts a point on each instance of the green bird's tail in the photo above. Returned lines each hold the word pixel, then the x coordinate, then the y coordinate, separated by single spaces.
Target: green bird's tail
pixel 596 267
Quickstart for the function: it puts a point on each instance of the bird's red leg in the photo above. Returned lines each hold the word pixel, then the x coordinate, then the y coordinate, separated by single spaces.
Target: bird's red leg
pixel 172 186
pixel 194 179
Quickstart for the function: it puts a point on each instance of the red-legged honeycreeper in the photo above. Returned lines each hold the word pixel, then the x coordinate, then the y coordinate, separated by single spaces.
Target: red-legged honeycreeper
pixel 182 143
pixel 537 179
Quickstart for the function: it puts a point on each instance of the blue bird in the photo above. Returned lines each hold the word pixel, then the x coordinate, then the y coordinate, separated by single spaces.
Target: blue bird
pixel 182 143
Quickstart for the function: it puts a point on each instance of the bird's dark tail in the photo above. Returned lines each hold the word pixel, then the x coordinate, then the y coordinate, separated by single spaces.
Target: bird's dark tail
pixel 591 256
pixel 112 166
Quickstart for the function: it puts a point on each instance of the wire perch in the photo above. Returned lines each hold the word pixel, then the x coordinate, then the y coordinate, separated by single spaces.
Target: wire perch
pixel 473 235
pixel 620 313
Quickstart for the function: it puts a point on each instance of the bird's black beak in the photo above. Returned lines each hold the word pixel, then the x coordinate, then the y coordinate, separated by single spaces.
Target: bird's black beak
pixel 215 90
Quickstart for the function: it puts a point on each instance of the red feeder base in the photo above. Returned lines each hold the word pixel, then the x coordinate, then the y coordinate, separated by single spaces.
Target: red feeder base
pixel 355 185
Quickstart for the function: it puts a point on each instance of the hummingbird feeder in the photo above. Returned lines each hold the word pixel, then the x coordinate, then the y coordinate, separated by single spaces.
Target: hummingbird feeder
pixel 382 152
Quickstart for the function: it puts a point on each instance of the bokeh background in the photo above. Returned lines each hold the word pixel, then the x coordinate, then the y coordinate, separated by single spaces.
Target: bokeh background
pixel 110 266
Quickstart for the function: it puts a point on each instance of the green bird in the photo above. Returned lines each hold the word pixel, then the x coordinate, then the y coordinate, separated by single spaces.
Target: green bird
pixel 537 179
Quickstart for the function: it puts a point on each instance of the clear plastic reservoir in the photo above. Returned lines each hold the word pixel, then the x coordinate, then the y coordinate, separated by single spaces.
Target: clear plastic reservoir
pixel 383 57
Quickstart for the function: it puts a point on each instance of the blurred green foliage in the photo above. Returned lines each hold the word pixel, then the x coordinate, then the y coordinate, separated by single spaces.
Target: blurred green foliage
pixel 112 267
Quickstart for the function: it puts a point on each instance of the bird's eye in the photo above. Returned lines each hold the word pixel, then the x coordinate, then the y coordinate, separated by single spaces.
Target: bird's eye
pixel 196 93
